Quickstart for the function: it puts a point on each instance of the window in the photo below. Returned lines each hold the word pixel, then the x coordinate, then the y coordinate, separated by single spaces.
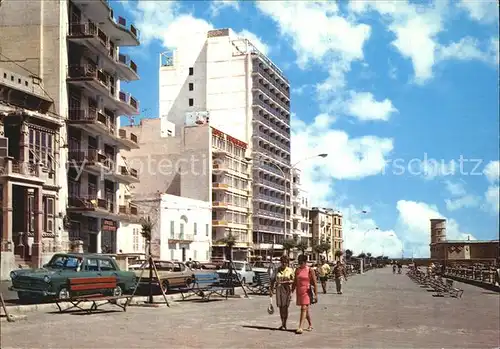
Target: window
pixel 191 71
pixel 191 102
pixel 106 265
pixel 181 234
pixel 191 86
pixel 206 230
pixel 172 229
pixel 195 228
pixel 135 233
pixel 195 254
pixel 48 214
pixel 91 265
pixel 172 254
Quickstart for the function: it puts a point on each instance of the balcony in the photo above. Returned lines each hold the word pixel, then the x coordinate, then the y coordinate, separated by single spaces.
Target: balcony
pixel 128 139
pixel 120 31
pixel 129 212
pixel 219 151
pixel 97 10
pixel 219 223
pixel 270 79
pixel 271 140
pixel 90 77
pixel 21 171
pixel 129 104
pixel 270 90
pixel 89 35
pixel 219 205
pixel 180 237
pixel 220 186
pixel 92 161
pixel 127 67
pixel 259 100
pixel 92 121
pixel 256 118
pixel 127 175
pixel 269 184
pixel 91 205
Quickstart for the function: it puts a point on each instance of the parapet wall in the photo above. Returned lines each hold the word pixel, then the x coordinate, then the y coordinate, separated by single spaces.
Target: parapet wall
pixel 438 230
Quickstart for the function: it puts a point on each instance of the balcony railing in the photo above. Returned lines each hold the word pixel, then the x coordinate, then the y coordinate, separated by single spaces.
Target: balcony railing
pixel 257 84
pixel 91 115
pixel 270 184
pixel 90 157
pixel 88 71
pixel 129 210
pixel 272 126
pixel 125 59
pixel 126 97
pixel 271 199
pixel 82 29
pixel 123 23
pixel 124 171
pixel 258 100
pixel 123 135
pixel 181 237
pixel 268 77
pixel 90 202
pixel 12 166
pixel 273 141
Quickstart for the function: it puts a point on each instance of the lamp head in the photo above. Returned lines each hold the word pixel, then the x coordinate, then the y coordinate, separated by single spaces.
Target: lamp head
pixel 323 155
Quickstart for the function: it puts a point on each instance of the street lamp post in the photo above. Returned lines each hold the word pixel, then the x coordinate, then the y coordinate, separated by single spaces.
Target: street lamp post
pixel 294 166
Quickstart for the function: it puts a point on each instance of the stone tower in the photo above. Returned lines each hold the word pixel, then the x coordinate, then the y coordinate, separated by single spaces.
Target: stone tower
pixel 438 230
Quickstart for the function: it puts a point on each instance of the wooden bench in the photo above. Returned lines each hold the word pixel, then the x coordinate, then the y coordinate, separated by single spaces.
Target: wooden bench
pixel 98 289
pixel 261 284
pixel 453 291
pixel 204 286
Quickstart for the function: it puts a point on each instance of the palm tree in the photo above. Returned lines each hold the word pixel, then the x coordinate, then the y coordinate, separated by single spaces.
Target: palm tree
pixel 322 247
pixel 146 230
pixel 338 254
pixel 229 241
pixel 302 246
pixel 288 244
pixel 361 255
pixel 348 254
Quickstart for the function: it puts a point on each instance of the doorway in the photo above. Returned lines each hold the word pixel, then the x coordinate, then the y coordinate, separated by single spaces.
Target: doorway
pixel 183 254
pixel 92 243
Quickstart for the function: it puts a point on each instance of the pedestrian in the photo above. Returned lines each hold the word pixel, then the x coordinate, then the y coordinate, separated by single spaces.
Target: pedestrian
pixel 307 291
pixel 324 271
pixel 338 274
pixel 283 285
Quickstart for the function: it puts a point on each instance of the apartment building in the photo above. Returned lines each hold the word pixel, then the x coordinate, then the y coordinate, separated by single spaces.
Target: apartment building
pixel 230 195
pixel 247 97
pixel 70 50
pixel 300 210
pixel 326 227
pixel 195 162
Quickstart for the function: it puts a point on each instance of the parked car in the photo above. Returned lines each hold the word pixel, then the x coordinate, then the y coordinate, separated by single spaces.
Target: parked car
pixel 244 270
pixel 51 281
pixel 171 275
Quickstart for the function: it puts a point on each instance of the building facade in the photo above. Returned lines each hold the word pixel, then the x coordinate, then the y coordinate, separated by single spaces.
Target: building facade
pixel 247 97
pixel 448 251
pixel 326 228
pixel 185 229
pixel 300 213
pixel 70 51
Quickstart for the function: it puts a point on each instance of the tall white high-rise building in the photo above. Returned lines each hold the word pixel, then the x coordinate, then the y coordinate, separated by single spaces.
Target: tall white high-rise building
pixel 247 97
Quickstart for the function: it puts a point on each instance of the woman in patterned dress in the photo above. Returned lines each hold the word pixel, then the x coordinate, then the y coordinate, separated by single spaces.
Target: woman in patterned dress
pixel 304 279
pixel 283 287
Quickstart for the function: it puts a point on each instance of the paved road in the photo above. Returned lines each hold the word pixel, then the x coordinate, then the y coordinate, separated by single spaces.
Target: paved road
pixel 377 310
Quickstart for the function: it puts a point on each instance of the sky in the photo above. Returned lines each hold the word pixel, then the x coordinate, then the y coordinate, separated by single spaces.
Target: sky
pixel 403 96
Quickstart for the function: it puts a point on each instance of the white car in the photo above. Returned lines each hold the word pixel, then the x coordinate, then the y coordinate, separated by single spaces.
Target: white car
pixel 244 270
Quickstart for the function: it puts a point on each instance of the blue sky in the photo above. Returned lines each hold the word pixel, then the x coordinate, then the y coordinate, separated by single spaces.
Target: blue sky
pixel 373 84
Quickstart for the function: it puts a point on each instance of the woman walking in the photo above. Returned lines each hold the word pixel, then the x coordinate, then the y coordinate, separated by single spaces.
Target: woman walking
pixel 304 279
pixel 283 285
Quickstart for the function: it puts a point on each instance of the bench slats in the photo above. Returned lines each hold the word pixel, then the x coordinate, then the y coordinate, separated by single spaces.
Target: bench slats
pixel 97 286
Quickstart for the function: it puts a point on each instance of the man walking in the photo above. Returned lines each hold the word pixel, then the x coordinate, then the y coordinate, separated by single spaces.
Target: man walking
pixel 339 273
pixel 324 271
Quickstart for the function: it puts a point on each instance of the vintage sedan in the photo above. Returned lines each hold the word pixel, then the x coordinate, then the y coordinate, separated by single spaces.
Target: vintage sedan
pixel 52 280
pixel 172 275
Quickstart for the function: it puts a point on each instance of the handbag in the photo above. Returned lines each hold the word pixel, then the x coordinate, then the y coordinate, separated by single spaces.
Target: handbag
pixel 270 308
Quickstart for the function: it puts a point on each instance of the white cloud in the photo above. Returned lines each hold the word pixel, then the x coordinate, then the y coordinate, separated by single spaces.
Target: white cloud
pixel 417 27
pixel 468 49
pixel 255 40
pixel 492 197
pixel 217 5
pixel 492 171
pixel 485 11
pixel 432 168
pixel 363 106
pixel 413 225
pixel 460 198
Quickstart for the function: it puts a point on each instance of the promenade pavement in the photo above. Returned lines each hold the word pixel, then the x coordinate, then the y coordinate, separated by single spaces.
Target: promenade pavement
pixel 377 310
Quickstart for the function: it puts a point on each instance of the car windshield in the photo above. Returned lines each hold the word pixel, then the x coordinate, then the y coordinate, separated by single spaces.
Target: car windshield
pixel 237 265
pixel 64 262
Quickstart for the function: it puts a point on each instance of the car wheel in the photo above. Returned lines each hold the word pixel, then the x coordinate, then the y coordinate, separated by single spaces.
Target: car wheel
pixel 63 293
pixel 118 291
pixel 165 286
